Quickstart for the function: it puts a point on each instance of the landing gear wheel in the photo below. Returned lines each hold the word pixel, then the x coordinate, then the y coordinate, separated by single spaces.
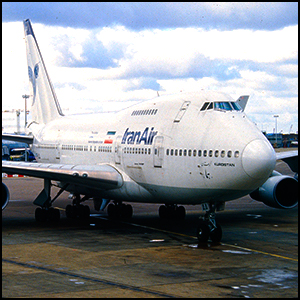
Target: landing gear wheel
pixel 180 213
pixel 202 232
pixel 70 211
pixel 173 212
pixel 162 211
pixel 74 211
pixel 122 211
pixel 83 211
pixel 111 211
pixel 53 214
pixel 127 211
pixel 216 234
pixel 40 215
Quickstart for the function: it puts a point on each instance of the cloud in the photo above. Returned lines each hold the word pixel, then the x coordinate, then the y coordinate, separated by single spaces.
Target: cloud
pixel 159 47
pixel 142 15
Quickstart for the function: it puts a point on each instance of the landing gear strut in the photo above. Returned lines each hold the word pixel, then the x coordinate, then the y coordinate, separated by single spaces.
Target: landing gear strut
pixel 208 227
pixel 46 212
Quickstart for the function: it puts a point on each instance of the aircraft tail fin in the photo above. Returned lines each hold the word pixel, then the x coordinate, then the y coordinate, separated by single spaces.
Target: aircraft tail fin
pixel 45 106
pixel 242 101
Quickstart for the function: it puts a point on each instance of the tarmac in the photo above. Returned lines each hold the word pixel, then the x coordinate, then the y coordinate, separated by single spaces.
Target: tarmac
pixel 147 257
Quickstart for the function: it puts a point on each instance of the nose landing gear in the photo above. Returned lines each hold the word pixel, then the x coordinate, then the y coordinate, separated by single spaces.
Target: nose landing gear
pixel 208 227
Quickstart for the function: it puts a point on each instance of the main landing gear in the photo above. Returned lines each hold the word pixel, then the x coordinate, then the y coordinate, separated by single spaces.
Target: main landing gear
pixel 208 227
pixel 45 211
pixel 171 211
pixel 78 210
pixel 118 210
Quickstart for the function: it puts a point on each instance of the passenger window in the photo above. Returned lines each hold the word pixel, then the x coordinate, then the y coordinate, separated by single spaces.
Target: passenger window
pixel 195 152
pixel 172 152
pixel 167 152
pixel 216 153
pixel 199 152
pixel 180 152
pixel 176 152
pixel 184 152
pixel 223 153
pixel 204 153
pixel 229 154
pixel 190 152
pixel 236 154
pixel 210 153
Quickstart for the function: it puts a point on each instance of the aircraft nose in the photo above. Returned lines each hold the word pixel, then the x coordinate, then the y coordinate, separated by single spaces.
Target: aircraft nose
pixel 258 159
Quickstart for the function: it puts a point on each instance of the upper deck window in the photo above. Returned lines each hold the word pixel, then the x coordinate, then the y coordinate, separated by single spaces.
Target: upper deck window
pixel 235 106
pixel 224 105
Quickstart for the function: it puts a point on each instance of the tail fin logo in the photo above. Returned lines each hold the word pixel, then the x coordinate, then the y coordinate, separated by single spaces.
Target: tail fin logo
pixel 32 79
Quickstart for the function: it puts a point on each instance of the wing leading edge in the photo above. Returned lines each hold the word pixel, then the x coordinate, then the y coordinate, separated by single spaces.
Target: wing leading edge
pixel 103 177
pixel 289 157
pixel 28 139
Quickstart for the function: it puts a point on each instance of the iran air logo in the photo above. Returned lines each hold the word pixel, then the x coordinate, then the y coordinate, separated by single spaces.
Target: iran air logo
pixel 137 137
pixel 33 75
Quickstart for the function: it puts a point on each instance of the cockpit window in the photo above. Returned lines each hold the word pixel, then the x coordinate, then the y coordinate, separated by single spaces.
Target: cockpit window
pixel 235 106
pixel 204 106
pixel 222 106
pixel 227 106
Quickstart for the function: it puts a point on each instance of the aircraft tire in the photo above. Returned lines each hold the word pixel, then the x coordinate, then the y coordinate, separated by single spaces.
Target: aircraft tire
pixel 41 215
pixel 216 234
pixel 180 213
pixel 53 214
pixel 127 211
pixel 202 232
pixel 163 212
pixel 111 211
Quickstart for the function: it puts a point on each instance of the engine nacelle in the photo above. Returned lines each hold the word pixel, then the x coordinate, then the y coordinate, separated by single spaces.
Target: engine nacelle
pixel 5 195
pixel 279 191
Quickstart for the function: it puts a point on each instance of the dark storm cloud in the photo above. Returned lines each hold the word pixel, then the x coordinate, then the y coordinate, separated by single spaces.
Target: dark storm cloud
pixel 141 15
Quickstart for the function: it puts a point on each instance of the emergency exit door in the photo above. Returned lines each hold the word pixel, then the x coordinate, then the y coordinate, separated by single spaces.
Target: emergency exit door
pixel 158 153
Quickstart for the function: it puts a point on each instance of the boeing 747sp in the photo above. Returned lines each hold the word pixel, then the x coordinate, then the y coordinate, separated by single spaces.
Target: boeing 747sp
pixel 190 148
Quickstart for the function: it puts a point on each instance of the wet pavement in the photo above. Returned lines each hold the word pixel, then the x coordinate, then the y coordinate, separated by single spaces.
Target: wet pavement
pixel 147 256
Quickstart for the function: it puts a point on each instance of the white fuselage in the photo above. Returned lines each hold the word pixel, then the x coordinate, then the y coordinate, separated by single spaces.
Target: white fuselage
pixel 167 149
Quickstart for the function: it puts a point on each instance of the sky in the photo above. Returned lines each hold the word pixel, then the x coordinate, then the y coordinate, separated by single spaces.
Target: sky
pixel 110 55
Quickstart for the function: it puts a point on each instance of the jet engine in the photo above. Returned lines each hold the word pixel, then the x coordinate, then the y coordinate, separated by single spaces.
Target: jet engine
pixel 279 191
pixel 5 195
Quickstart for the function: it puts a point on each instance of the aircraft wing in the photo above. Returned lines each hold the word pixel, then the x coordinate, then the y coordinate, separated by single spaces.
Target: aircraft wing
pixel 103 177
pixel 289 157
pixel 28 139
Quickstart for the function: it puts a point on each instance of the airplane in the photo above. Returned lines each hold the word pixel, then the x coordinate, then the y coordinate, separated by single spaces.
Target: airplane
pixel 194 148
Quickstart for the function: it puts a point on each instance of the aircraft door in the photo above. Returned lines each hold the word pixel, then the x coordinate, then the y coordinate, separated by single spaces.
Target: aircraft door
pixel 118 150
pixel 57 153
pixel 158 153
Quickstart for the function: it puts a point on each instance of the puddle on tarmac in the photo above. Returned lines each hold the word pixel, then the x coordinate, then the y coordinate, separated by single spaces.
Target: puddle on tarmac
pixel 274 276
pixel 236 252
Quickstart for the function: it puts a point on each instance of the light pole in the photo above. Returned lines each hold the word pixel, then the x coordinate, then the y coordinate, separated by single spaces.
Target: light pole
pixel 276 116
pixel 25 97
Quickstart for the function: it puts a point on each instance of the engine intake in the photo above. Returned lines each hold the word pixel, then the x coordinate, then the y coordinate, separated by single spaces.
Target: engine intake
pixel 279 191
pixel 5 195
